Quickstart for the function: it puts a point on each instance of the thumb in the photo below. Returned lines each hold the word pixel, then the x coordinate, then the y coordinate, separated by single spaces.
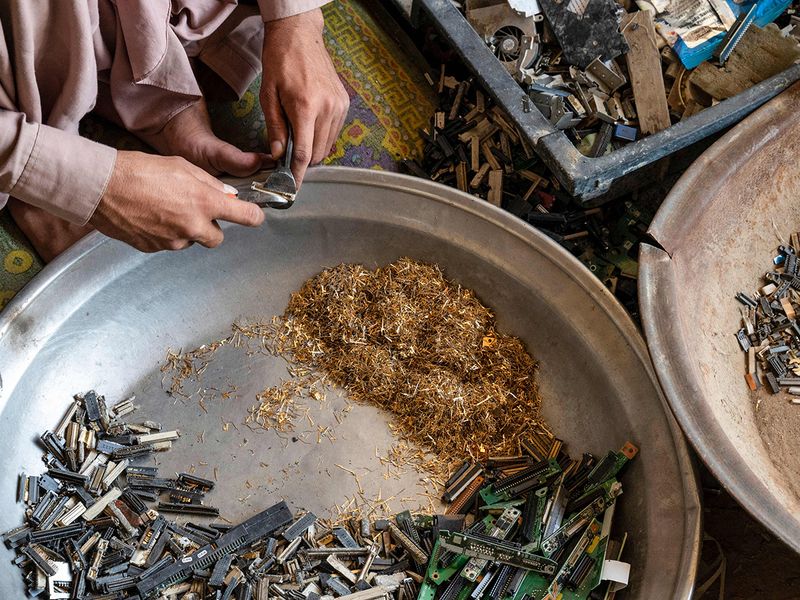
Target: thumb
pixel 229 159
pixel 275 122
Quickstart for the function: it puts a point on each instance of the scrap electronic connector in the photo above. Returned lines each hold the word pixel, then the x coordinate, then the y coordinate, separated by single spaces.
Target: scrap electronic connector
pixel 97 528
pixel 770 334
pixel 534 526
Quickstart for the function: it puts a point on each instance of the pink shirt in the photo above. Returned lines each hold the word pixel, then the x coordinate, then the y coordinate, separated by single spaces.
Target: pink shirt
pixel 58 56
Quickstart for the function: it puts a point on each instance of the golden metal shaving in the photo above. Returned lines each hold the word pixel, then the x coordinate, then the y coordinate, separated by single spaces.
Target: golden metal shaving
pixel 189 365
pixel 402 338
pixel 277 407
pixel 185 367
pixel 405 339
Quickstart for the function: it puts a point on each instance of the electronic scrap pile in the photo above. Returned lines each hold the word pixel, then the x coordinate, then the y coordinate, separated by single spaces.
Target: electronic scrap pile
pixel 607 72
pixel 84 529
pixel 540 528
pixel 471 144
pixel 770 335
pixel 533 526
pixel 89 533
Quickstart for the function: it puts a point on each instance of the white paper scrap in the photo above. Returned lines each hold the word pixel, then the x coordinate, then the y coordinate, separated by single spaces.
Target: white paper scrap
pixel 693 21
pixel 528 8
pixel 616 572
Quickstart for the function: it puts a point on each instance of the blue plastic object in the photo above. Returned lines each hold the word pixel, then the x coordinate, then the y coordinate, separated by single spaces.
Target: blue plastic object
pixel 766 12
pixel 624 132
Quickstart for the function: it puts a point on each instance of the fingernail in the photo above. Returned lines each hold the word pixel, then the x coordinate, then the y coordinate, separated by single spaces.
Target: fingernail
pixel 276 148
pixel 229 189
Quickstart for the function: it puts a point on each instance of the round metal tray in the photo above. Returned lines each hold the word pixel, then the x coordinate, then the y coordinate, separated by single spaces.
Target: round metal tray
pixel 717 229
pixel 103 315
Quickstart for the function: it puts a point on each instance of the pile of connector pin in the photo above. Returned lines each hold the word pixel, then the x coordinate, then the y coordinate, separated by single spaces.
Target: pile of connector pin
pixel 770 335
pixel 535 525
pixel 89 533
pixel 86 513
pixel 407 340
pixel 471 144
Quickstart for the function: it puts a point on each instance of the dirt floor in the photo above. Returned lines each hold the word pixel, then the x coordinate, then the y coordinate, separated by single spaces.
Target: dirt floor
pixel 758 565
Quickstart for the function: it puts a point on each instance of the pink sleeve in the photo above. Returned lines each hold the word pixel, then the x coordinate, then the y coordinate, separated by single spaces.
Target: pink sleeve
pixel 272 10
pixel 60 172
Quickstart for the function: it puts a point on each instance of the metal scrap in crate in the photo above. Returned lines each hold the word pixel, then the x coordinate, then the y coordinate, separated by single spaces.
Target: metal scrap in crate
pixel 600 89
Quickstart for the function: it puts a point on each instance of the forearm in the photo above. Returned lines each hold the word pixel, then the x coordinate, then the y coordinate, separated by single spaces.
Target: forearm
pixel 272 10
pixel 57 171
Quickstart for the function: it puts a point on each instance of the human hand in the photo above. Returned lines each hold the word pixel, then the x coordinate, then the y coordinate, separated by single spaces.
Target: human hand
pixel 189 134
pixel 166 203
pixel 300 83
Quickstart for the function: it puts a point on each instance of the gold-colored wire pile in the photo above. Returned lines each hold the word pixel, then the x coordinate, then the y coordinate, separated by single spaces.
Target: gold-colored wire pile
pixel 276 407
pixel 405 339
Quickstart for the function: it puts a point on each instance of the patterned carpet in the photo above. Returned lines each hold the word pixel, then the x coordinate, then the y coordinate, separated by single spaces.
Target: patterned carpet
pixel 389 101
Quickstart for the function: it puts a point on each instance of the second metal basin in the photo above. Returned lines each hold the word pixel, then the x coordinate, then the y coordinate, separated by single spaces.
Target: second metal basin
pixel 718 229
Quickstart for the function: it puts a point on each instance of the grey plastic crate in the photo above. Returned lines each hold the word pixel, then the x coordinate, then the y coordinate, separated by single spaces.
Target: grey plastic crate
pixel 589 179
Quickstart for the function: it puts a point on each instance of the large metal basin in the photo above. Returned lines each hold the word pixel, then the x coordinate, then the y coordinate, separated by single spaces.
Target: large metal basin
pixel 103 315
pixel 718 229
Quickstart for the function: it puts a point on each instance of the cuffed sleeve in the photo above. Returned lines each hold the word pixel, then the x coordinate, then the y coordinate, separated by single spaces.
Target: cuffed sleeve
pixel 272 10
pixel 58 171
